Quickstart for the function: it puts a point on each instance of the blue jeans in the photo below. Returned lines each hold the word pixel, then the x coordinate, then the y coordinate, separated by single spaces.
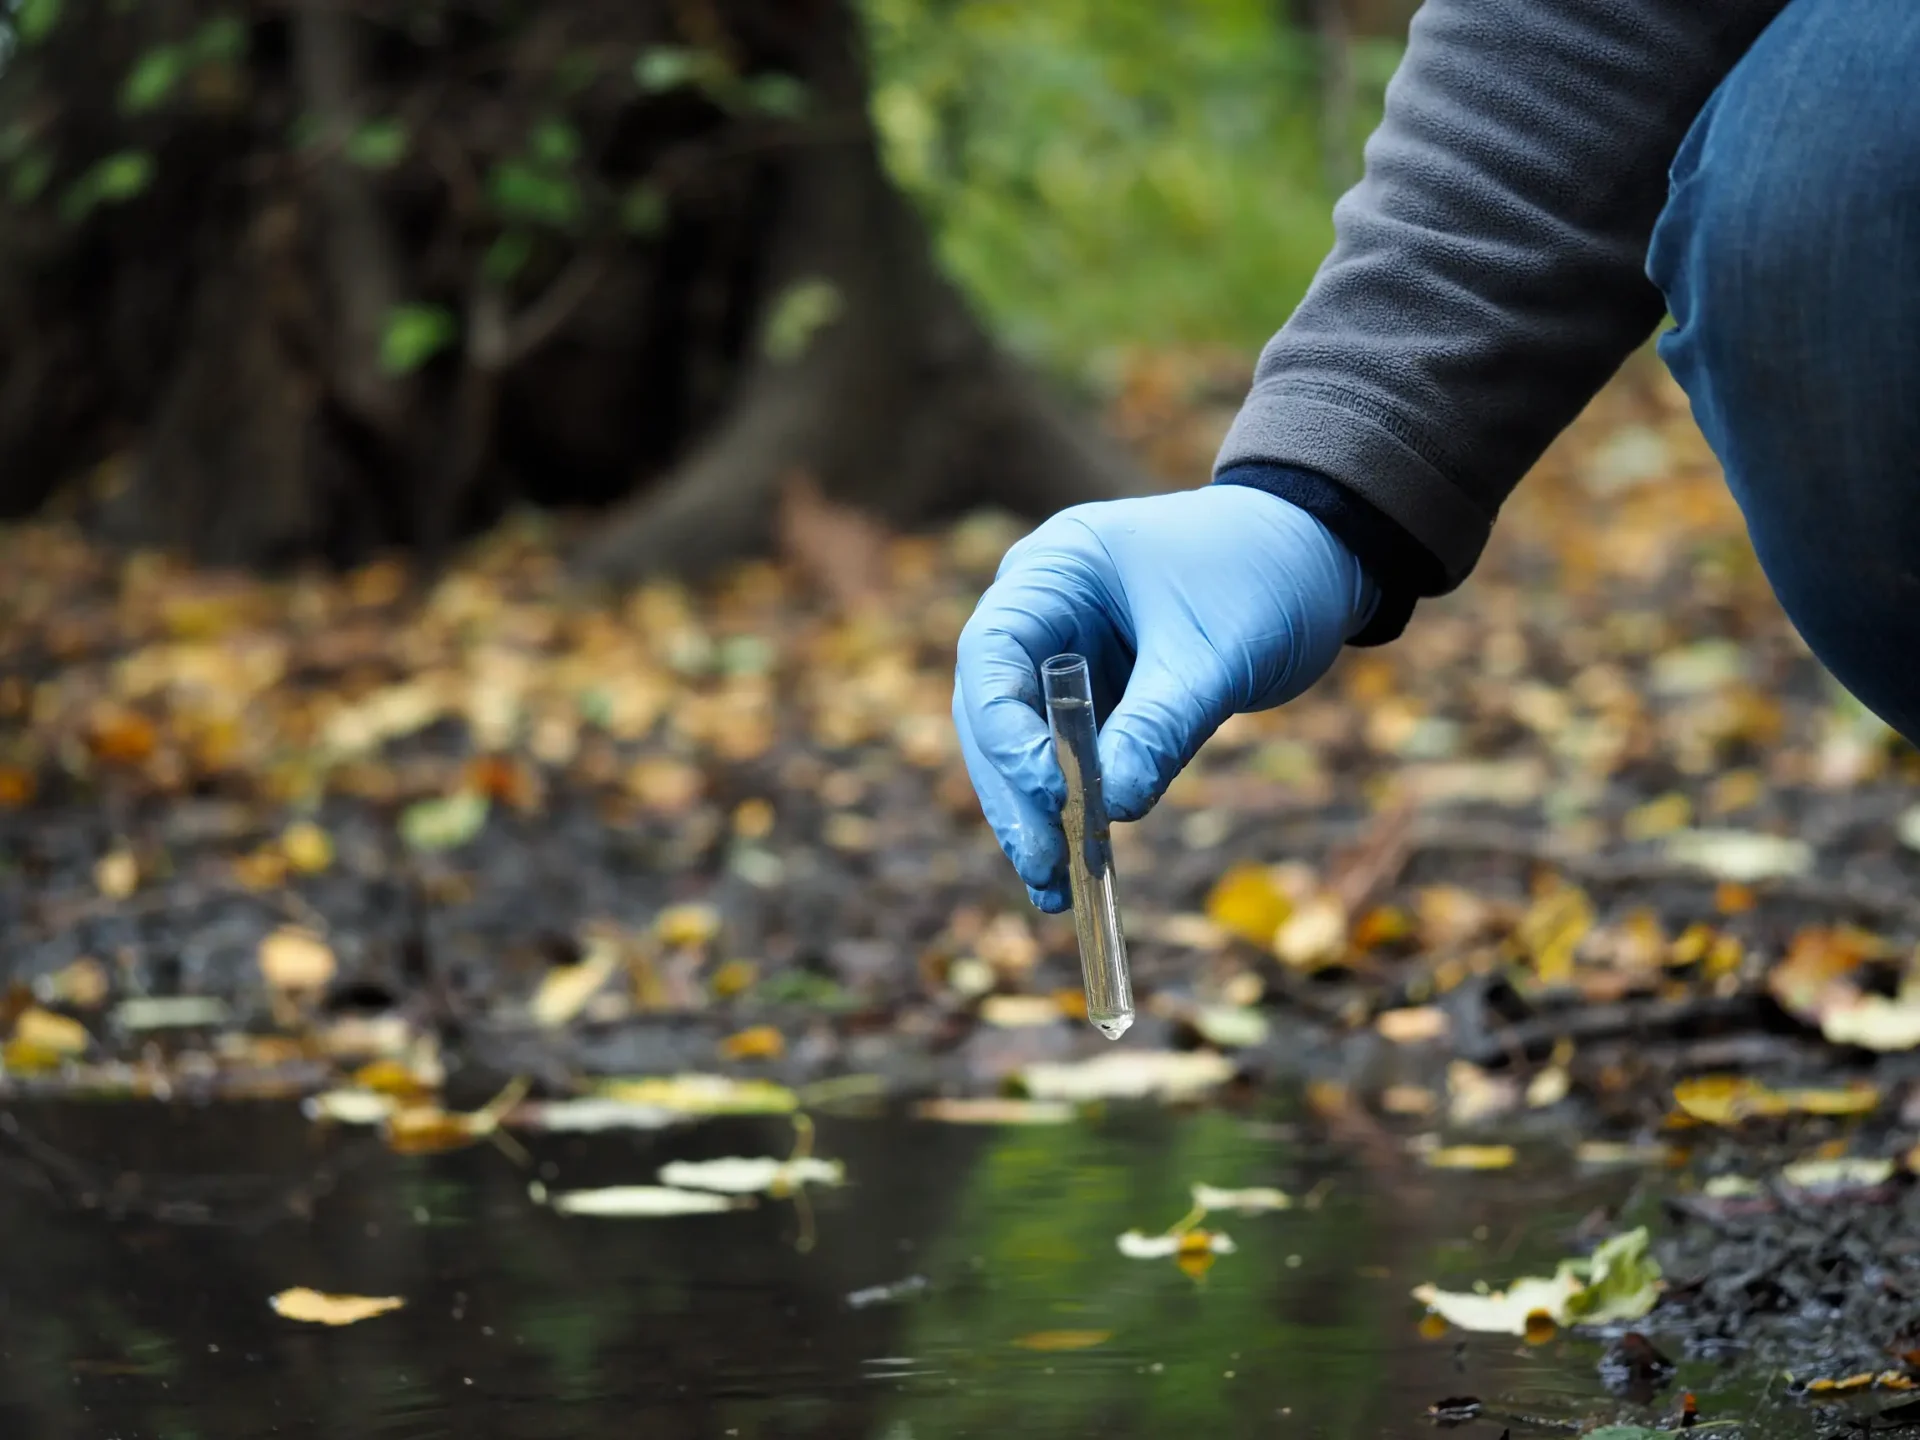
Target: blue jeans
pixel 1789 253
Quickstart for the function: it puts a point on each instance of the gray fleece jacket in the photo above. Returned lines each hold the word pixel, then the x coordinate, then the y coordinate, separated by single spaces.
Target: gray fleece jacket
pixel 1488 273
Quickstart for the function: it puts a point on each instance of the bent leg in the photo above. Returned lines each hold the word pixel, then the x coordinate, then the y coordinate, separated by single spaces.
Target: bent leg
pixel 1789 254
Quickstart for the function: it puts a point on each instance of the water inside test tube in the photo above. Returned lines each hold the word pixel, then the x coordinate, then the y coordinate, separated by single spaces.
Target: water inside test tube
pixel 1096 911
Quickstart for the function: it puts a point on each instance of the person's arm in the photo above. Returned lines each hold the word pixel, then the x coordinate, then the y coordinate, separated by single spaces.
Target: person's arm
pixel 1488 273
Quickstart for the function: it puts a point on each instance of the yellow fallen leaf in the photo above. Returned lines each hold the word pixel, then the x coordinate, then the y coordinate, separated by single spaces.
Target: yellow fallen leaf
pixel 426 1129
pixel 117 874
pixel 60 1035
pixel 1552 929
pixel 645 1202
pixel 349 1107
pixel 1471 1157
pixel 83 984
pixel 1250 1201
pixel 992 1110
pixel 308 848
pixel 315 1307
pixel 1730 1099
pixel 756 1042
pixel 1246 901
pixel 1314 935
pixel 703 1094
pixel 1016 1012
pixel 686 926
pixel 1414 1025
pixel 294 959
pixel 565 989
pixel 1051 1340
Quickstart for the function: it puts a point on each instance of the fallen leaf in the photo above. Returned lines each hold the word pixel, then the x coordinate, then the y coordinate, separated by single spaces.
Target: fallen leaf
pixel 760 1175
pixel 1817 965
pixel 117 874
pixel 993 1110
pixel 565 989
pixel 1730 1099
pixel 308 848
pixel 349 1107
pixel 1052 1340
pixel 1872 1021
pixel 1248 902
pixel 1839 1175
pixel 1618 1282
pixel 1231 1027
pixel 1613 1152
pixel 317 1308
pixel 702 1094
pixel 82 984
pixel 426 1129
pixel 643 1202
pixel 45 1030
pixel 1414 1025
pixel 686 927
pixel 1138 1246
pixel 171 1012
pixel 886 1294
pixel 591 1115
pixel 296 960
pixel 446 823
pixel 1130 1075
pixel 1314 935
pixel 1743 856
pixel 1015 1012
pixel 1248 1202
pixel 1471 1157
pixel 1552 929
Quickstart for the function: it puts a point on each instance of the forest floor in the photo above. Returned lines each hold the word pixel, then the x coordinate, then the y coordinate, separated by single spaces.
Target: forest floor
pixel 1594 855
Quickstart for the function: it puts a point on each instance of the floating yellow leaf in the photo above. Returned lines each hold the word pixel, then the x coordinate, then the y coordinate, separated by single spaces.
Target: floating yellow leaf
pixel 1471 1157
pixel 1138 1246
pixel 296 960
pixel 994 1110
pixel 735 1175
pixel 1130 1075
pixel 644 1202
pixel 1051 1340
pixel 317 1308
pixel 1619 1281
pixel 1250 1201
pixel 1247 901
pixel 703 1094
pixel 424 1129
pixel 756 1042
pixel 349 1107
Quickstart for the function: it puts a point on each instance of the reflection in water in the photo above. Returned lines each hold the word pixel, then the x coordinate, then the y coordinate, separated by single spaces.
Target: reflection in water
pixel 143 1242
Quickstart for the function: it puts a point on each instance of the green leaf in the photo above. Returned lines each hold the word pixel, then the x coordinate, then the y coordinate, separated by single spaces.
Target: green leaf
pixel 415 334
pixel 34 19
pixel 1622 1281
pixel 804 988
pixel 507 256
pixel 116 178
pixel 29 177
pixel 522 191
pixel 222 39
pixel 444 824
pixel 378 144
pixel 152 79
pixel 801 311
pixel 1619 1281
pixel 668 67
pixel 776 94
pixel 643 210
pixel 554 142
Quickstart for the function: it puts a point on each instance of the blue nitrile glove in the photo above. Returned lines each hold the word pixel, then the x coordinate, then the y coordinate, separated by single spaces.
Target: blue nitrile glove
pixel 1189 607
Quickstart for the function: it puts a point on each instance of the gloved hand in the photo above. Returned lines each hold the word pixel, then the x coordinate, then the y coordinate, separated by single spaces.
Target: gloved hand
pixel 1189 607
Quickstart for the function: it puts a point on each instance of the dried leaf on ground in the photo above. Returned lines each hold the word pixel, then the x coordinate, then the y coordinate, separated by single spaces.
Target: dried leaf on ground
pixel 1743 856
pixel 1248 901
pixel 1836 1176
pixel 565 989
pixel 296 960
pixel 1471 1157
pixel 315 1307
pixel 446 823
pixel 1731 1099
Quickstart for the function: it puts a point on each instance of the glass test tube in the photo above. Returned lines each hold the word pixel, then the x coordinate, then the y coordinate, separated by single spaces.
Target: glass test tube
pixel 1096 913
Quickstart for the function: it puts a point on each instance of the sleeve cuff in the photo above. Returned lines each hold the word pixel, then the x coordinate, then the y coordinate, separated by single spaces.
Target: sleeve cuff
pixel 1401 567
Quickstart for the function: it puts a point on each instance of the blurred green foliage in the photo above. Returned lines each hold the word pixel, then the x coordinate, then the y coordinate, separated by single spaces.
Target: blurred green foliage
pixel 1102 173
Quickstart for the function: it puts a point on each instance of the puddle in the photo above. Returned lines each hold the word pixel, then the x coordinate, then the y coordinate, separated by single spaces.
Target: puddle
pixel 141 1253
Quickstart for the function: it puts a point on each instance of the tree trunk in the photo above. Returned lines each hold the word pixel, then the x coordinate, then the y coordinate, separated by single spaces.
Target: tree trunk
pixel 362 282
